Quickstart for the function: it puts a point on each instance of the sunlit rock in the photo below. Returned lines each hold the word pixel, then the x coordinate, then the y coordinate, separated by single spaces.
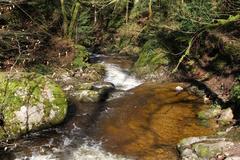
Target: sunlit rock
pixel 29 102
pixel 210 113
pixel 226 116
pixel 178 89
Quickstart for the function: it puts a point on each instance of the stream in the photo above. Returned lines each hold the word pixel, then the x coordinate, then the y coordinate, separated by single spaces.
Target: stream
pixel 140 121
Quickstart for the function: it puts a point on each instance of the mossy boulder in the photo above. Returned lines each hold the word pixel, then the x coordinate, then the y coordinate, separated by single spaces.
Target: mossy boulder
pixel 203 148
pixel 87 96
pixel 79 86
pixel 29 102
pixel 210 113
pixel 91 92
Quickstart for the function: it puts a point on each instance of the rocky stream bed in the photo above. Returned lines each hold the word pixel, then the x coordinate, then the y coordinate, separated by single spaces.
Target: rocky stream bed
pixel 121 117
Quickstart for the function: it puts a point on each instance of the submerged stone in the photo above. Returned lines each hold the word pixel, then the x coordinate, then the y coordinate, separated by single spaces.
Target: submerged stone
pixel 29 102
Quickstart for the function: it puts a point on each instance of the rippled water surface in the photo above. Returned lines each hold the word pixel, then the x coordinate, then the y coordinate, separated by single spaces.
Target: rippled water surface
pixel 149 122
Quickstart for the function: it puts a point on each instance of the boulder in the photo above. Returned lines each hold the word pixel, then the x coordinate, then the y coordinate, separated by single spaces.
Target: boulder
pixel 226 116
pixel 202 148
pixel 29 102
pixel 210 113
pixel 91 92
pixel 80 90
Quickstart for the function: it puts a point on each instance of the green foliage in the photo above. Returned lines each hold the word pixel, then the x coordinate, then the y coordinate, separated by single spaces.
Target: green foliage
pixel 81 57
pixel 84 34
pixel 139 8
pixel 115 22
pixel 128 35
pixel 152 56
pixel 235 93
pixel 41 69
pixel 195 14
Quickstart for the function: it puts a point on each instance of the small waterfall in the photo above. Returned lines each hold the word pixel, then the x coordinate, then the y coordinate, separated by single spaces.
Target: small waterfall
pixel 120 77
pixel 72 145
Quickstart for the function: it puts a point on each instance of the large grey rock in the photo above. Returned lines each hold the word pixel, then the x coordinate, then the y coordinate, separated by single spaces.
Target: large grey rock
pixel 29 102
pixel 205 148
pixel 82 91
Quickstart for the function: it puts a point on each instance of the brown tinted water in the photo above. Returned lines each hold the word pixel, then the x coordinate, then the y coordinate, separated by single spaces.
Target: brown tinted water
pixel 149 122
pixel 144 123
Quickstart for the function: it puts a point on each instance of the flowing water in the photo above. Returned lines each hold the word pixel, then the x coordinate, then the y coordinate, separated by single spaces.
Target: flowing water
pixel 146 122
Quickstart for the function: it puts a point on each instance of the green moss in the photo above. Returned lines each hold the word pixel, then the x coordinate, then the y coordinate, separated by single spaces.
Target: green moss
pixel 210 113
pixel 60 101
pixel 85 86
pixel 30 90
pixel 235 94
pixel 151 58
pixel 81 57
pixel 206 151
pixel 203 151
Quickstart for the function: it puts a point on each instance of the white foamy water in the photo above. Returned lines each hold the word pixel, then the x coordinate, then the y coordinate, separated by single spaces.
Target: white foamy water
pixel 38 157
pixel 84 152
pixel 70 147
pixel 120 78
pixel 88 150
pixel 95 152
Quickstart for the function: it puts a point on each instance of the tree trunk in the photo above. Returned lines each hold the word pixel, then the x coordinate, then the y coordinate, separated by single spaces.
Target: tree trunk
pixel 65 20
pixel 150 9
pixel 127 10
pixel 95 14
pixel 73 20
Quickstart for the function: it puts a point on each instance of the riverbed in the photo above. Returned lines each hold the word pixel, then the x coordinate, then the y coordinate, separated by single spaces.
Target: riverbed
pixel 140 120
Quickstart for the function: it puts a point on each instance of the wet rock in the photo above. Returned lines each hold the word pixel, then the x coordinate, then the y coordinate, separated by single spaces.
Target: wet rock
pixel 206 100
pixel 210 113
pixel 29 102
pixel 92 92
pixel 104 86
pixel 87 96
pixel 211 150
pixel 226 116
pixel 195 90
pixel 202 148
pixel 93 73
pixel 179 89
pixel 189 154
pixel 84 86
pixel 233 158
pixel 78 88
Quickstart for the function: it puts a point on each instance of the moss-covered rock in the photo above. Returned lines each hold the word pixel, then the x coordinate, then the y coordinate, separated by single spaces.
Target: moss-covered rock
pixel 29 102
pixel 78 88
pixel 203 148
pixel 210 113
pixel 87 96
pixel 91 92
